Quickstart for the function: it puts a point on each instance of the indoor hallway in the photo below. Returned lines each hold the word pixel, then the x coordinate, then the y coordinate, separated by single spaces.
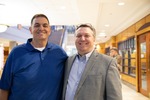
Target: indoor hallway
pixel 130 94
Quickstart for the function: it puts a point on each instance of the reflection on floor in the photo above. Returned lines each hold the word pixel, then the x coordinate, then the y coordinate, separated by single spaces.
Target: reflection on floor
pixel 130 94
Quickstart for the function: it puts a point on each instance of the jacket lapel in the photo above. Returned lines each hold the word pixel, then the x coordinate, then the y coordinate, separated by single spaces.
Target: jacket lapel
pixel 68 66
pixel 87 69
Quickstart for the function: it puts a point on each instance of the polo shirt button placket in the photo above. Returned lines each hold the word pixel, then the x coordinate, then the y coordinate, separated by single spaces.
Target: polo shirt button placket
pixel 42 56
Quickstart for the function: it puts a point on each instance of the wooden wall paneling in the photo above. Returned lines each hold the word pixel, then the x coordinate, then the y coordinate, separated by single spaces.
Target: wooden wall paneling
pixel 123 36
pixel 148 18
pixel 143 31
pixel 111 42
pixel 131 31
pixel 118 38
pixel 145 27
pixel 113 39
pixel 102 48
pixel 129 79
pixel 6 53
pixel 137 68
pixel 140 23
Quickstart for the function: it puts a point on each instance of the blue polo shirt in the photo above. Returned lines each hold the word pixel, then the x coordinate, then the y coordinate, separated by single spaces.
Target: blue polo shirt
pixel 30 74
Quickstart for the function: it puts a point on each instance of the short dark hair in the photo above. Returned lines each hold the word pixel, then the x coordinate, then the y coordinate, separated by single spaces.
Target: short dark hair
pixel 39 15
pixel 115 49
pixel 89 26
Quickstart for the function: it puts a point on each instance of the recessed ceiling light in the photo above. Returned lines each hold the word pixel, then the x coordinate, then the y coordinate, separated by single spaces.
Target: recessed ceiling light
pixel 102 34
pixel 1 4
pixel 63 7
pixel 3 27
pixel 107 25
pixel 121 3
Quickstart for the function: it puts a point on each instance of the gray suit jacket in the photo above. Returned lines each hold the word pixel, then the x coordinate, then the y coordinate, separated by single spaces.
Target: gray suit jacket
pixel 100 79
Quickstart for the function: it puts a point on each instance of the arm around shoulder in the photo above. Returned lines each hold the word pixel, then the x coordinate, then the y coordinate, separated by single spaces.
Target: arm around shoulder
pixel 3 94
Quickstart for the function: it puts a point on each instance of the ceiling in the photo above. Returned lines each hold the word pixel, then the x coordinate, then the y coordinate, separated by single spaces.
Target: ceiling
pixel 72 12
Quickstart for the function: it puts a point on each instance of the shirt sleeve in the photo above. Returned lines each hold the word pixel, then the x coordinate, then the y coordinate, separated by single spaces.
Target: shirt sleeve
pixel 6 79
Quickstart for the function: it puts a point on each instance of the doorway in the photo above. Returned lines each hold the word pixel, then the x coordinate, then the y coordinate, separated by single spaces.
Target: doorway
pixel 144 63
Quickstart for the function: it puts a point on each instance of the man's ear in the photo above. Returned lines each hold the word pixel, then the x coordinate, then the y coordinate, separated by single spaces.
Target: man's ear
pixel 30 29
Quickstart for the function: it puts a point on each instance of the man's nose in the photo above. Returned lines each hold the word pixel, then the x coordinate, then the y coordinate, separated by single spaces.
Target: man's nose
pixel 41 27
pixel 83 38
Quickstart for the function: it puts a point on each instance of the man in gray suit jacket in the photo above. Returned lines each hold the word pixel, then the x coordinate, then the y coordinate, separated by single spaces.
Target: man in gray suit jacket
pixel 88 74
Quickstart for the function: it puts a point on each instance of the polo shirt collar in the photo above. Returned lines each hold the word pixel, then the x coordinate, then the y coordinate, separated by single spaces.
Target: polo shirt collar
pixel 31 48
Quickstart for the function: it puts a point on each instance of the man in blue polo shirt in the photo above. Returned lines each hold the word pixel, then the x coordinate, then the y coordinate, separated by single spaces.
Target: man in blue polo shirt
pixel 34 70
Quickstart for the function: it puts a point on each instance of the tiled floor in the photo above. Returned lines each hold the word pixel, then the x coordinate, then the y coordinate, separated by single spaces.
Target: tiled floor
pixel 130 94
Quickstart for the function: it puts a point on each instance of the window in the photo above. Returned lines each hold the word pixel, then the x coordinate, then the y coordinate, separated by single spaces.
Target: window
pixel 127 49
